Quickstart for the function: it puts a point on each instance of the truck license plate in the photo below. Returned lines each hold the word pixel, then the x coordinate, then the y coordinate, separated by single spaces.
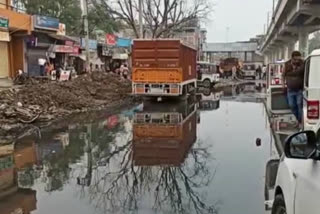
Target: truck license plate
pixel 156 90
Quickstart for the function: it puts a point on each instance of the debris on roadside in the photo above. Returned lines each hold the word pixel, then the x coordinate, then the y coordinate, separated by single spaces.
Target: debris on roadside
pixel 38 101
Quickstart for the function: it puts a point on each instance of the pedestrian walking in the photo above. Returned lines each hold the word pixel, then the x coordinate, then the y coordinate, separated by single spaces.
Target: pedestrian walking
pixel 293 77
pixel 264 72
pixel 234 72
pixel 42 63
pixel 259 72
pixel 222 72
pixel 125 71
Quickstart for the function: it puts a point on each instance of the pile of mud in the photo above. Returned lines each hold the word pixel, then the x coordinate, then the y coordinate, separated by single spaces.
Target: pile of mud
pixel 40 102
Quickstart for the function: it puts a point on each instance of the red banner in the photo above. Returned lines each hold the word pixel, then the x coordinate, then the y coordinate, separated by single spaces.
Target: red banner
pixel 66 49
pixel 111 39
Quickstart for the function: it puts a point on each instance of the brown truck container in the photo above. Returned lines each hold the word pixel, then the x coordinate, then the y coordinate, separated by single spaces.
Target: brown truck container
pixel 160 63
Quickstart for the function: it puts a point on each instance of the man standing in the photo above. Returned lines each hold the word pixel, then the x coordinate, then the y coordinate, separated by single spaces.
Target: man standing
pixel 264 72
pixel 293 76
pixel 42 63
pixel 259 72
pixel 234 72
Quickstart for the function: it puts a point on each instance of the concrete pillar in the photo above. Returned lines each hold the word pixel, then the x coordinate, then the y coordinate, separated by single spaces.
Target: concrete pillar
pixel 280 53
pixel 304 43
pixel 266 58
pixel 289 49
pixel 272 56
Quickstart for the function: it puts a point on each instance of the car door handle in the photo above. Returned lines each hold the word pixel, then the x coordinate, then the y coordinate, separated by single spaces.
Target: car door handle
pixel 294 175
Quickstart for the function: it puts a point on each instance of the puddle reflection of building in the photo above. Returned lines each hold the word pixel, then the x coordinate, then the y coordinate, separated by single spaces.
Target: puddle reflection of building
pixel 14 159
pixel 164 135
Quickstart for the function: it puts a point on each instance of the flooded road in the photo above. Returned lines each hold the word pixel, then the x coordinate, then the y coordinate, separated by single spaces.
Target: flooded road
pixel 195 156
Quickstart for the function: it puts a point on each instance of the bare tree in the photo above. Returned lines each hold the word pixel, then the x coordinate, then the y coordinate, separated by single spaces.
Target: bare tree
pixel 161 17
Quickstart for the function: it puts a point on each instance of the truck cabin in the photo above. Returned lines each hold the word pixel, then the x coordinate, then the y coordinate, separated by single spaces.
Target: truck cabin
pixel 249 67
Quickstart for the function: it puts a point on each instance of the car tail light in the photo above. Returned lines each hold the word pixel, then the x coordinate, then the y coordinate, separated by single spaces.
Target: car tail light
pixel 313 109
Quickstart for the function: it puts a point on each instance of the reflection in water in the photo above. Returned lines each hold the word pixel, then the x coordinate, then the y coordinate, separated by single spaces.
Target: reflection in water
pixel 146 162
pixel 208 100
pixel 14 197
pixel 151 171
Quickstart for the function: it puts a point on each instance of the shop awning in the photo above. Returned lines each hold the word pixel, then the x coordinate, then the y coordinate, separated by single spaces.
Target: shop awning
pixel 120 56
pixel 62 38
pixel 83 57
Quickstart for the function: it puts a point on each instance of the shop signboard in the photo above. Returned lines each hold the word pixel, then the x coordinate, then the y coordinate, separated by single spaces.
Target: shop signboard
pixel 122 42
pixel 111 39
pixel 93 44
pixel 46 23
pixel 66 49
pixel 4 36
pixel 106 51
pixel 69 43
pixel 65 75
pixel 4 23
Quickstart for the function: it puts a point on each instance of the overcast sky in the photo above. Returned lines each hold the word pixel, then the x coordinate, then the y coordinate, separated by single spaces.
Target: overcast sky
pixel 245 19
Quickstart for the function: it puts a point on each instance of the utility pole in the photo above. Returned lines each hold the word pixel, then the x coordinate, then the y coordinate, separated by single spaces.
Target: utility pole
pixel 227 34
pixel 273 8
pixel 86 30
pixel 268 20
pixel 140 18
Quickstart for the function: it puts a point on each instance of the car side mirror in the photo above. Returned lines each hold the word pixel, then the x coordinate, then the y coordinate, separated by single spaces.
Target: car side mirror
pixel 302 145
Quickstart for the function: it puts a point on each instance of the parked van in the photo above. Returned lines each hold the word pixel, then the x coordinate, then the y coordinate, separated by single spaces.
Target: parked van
pixel 312 92
pixel 249 70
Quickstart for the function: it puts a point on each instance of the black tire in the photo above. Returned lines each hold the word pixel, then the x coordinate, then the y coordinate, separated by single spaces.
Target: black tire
pixel 207 83
pixel 279 206
pixel 254 78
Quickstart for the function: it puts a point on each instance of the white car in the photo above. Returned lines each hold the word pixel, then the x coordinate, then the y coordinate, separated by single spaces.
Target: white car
pixel 297 185
pixel 249 70
pixel 311 94
pixel 207 74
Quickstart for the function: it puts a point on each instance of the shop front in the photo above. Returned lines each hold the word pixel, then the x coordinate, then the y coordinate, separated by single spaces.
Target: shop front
pixel 105 53
pixel 66 55
pixel 14 27
pixel 93 54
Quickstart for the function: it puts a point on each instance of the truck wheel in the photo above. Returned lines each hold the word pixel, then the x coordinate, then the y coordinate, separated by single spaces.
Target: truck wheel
pixel 207 83
pixel 279 206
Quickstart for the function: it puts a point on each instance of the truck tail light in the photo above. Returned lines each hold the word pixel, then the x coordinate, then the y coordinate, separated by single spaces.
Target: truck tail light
pixel 313 109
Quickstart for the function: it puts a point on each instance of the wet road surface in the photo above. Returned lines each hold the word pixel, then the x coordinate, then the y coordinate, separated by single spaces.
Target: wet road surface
pixel 175 157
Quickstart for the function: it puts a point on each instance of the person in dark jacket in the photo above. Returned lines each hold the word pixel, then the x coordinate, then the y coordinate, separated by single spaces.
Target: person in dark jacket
pixel 293 76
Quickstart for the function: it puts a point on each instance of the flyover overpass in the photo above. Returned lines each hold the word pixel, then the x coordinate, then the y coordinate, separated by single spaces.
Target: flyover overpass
pixel 292 21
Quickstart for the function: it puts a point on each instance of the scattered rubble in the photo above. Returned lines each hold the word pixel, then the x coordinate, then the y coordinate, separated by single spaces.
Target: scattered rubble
pixel 42 102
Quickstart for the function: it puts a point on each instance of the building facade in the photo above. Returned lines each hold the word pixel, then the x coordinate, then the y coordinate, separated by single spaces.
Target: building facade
pixel 14 27
pixel 244 51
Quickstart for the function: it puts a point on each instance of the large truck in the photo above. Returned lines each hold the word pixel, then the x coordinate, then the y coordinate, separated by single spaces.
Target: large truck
pixel 164 135
pixel 227 64
pixel 163 68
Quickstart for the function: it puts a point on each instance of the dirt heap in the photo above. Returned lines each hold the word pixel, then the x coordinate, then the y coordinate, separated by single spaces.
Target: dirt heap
pixel 38 101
